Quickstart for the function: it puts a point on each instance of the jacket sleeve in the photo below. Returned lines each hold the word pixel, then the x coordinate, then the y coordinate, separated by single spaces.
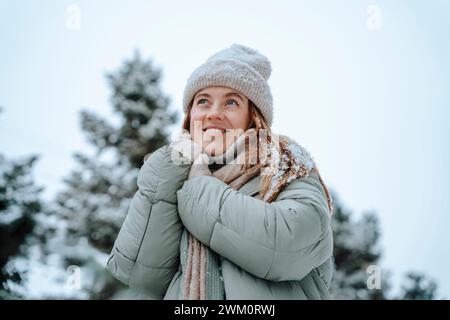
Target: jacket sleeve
pixel 145 255
pixel 278 241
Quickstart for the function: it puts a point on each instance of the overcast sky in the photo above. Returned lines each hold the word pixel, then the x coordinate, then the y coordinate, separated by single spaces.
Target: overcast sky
pixel 363 85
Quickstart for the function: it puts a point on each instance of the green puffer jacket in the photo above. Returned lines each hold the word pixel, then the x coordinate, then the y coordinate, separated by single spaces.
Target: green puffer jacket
pixel 278 250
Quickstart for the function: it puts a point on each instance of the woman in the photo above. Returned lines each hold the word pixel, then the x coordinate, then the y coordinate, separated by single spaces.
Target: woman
pixel 228 210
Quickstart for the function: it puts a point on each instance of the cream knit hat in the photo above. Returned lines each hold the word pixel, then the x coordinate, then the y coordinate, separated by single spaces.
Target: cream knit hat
pixel 237 67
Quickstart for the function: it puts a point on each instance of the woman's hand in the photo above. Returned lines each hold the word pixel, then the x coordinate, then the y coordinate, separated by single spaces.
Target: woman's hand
pixel 194 153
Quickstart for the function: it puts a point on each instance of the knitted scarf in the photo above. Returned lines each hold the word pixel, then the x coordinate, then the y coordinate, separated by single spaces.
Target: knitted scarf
pixel 284 161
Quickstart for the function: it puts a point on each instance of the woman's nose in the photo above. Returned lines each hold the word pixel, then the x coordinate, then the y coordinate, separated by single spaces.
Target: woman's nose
pixel 214 114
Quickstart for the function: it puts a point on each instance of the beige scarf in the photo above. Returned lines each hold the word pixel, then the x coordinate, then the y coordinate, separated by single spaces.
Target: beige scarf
pixel 285 162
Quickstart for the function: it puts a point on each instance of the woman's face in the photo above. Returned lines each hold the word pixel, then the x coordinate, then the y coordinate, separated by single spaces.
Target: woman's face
pixel 214 112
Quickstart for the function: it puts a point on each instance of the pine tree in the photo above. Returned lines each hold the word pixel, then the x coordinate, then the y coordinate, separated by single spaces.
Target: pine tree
pixel 356 249
pixel 76 232
pixel 418 286
pixel 100 189
pixel 19 205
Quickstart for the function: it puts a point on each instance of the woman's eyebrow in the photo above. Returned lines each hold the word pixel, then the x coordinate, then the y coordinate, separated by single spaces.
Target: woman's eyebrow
pixel 203 94
pixel 229 94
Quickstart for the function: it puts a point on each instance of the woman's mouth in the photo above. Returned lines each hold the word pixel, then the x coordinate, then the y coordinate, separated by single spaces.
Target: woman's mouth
pixel 214 130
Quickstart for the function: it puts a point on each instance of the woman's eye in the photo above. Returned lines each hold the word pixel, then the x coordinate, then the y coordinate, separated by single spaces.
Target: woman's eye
pixel 232 102
pixel 202 101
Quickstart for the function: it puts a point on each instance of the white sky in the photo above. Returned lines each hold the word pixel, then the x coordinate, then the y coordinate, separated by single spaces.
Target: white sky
pixel 372 106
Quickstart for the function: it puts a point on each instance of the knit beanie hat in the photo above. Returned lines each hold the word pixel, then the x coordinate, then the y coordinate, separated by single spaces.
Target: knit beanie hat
pixel 237 67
